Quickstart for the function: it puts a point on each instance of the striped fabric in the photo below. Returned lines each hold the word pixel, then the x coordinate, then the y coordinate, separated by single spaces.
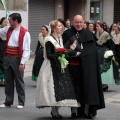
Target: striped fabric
pixel 12 51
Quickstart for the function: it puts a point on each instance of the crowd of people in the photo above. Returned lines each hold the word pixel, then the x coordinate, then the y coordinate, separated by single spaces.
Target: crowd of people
pixel 74 63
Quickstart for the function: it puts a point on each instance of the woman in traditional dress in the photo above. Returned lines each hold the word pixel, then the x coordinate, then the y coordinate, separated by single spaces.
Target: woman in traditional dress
pixel 116 39
pixel 112 28
pixel 91 27
pixel 3 23
pixel 105 43
pixel 54 89
pixel 39 52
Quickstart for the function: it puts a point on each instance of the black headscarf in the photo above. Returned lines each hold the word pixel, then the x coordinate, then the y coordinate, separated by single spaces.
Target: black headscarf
pixel 2 19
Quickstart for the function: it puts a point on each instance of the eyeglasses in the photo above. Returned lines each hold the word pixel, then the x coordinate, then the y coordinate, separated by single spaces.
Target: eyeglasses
pixel 79 22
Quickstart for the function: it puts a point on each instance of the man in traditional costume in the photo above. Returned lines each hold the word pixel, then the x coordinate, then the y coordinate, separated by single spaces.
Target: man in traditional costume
pixel 90 93
pixel 17 53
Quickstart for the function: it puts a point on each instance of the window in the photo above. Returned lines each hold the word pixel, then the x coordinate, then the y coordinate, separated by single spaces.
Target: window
pixel 94 11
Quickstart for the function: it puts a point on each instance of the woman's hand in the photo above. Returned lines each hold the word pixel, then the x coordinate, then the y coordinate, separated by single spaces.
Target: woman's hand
pixel 113 58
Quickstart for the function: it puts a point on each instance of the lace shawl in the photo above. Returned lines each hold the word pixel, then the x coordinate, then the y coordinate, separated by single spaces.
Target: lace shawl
pixel 54 42
pixel 103 38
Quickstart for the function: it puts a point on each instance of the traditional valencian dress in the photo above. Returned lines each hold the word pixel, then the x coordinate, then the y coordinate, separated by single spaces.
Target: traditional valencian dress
pixel 38 58
pixel 53 87
pixel 105 43
pixel 116 40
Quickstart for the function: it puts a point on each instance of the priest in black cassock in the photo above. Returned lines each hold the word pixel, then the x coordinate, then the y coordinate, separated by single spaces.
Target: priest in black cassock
pixel 84 69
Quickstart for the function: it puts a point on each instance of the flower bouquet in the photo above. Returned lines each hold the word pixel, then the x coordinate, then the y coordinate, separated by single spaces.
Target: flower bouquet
pixel 109 54
pixel 62 54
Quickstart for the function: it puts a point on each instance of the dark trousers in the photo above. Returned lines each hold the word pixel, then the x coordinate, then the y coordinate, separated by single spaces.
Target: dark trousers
pixel 13 75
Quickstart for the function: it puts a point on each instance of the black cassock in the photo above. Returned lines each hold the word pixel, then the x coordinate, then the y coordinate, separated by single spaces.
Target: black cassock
pixel 91 86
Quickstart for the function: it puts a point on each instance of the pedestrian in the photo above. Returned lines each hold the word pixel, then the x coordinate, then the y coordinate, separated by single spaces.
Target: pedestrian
pixel 17 53
pixel 112 28
pixel 54 86
pixel 105 43
pixel 91 98
pixel 86 24
pixel 3 23
pixel 68 23
pixel 116 39
pixel 39 52
pixel 63 25
pixel 91 27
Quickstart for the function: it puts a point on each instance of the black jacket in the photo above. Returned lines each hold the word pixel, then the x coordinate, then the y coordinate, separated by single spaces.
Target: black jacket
pixel 92 93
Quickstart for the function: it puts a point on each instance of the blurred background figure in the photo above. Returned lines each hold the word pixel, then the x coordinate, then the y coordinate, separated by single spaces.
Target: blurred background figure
pixel 105 27
pixel 63 25
pixel 86 24
pixel 68 23
pixel 116 39
pixel 91 27
pixel 112 28
pixel 105 43
pixel 39 52
pixel 3 23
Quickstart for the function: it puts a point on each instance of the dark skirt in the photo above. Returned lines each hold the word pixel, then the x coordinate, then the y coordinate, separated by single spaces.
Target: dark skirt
pixel 63 82
pixel 37 64
pixel 104 63
pixel 2 50
pixel 116 68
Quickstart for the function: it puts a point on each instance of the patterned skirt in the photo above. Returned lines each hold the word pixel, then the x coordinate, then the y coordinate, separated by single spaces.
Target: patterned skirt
pixel 54 88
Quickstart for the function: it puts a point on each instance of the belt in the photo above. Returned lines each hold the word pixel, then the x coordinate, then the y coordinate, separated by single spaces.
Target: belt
pixel 74 63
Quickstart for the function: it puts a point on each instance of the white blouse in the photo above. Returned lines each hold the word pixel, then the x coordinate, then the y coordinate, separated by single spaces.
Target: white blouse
pixel 13 41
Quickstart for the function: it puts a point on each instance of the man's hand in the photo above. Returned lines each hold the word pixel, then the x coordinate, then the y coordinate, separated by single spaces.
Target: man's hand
pixel 73 46
pixel 21 67
pixel 78 53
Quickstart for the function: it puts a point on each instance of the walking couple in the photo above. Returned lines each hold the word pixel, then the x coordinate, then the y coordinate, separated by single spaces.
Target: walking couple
pixel 79 86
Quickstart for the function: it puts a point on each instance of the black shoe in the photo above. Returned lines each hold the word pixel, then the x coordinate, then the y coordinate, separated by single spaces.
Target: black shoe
pixel 105 88
pixel 59 116
pixel 80 115
pixel 73 116
pixel 56 116
pixel 117 82
pixel 2 82
pixel 89 116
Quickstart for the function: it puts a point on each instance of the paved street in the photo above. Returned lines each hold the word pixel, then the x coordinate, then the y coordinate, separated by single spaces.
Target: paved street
pixel 30 112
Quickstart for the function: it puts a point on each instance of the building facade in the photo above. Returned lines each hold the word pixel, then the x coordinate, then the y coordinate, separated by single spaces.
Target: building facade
pixel 20 6
pixel 36 13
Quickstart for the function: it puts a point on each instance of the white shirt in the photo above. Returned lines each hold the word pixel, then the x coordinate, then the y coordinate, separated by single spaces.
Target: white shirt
pixel 13 41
